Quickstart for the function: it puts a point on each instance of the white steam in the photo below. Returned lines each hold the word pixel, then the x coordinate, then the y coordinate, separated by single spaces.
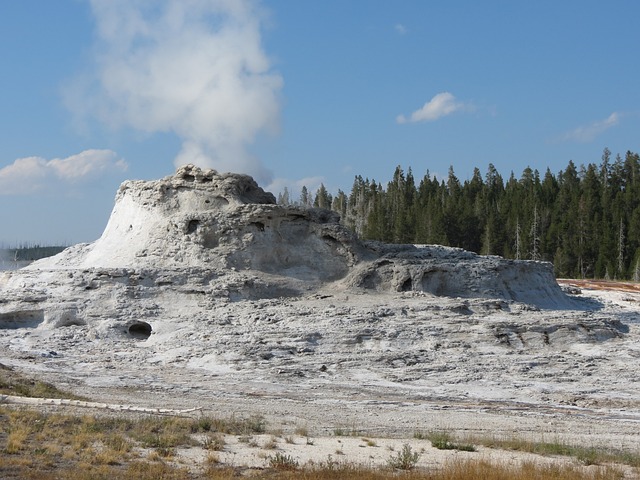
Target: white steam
pixel 192 67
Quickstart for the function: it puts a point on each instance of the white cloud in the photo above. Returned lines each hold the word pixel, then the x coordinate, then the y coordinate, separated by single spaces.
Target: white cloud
pixel 32 174
pixel 401 29
pixel 192 67
pixel 587 133
pixel 439 106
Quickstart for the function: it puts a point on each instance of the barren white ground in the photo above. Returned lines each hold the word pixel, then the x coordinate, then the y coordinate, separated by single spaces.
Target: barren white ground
pixel 336 361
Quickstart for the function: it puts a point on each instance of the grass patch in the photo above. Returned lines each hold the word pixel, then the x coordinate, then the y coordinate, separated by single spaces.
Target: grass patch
pixel 584 454
pixel 42 446
pixel 214 441
pixel 456 470
pixel 253 424
pixel 346 432
pixel 445 441
pixel 35 445
pixel 16 384
pixel 280 461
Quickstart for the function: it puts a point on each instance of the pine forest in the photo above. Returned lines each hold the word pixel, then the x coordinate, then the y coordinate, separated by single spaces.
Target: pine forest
pixel 586 219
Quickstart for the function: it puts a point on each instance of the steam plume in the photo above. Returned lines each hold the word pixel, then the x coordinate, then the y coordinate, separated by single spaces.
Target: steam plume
pixel 192 67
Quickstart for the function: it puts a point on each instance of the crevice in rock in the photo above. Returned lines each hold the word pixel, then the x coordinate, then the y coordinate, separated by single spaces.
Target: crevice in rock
pixel 74 322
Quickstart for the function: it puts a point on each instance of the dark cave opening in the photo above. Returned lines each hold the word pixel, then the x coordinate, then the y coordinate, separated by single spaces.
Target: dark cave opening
pixel 140 330
pixel 192 226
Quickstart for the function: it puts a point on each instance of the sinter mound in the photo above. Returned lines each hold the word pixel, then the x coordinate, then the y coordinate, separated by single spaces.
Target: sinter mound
pixel 202 287
pixel 224 222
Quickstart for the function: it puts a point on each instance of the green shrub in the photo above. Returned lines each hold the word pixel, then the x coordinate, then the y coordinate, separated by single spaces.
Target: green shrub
pixel 405 459
pixel 282 462
pixel 444 441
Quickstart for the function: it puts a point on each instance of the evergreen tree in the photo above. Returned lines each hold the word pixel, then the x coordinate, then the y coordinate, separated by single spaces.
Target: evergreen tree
pixel 305 198
pixel 518 241
pixel 323 198
pixel 535 235
pixel 283 198
pixel 339 204
pixel 620 269
pixel 358 210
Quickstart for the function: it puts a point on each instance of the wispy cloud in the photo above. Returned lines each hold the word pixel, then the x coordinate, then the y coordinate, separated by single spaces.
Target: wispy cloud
pixel 588 133
pixel 400 28
pixel 192 67
pixel 31 174
pixel 439 106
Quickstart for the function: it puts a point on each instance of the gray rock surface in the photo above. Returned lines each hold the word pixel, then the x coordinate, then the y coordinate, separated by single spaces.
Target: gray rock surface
pixel 221 223
pixel 202 289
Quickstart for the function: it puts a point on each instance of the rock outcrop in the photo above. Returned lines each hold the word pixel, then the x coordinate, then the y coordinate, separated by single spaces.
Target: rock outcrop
pixel 193 240
pixel 226 222
pixel 202 219
pixel 202 283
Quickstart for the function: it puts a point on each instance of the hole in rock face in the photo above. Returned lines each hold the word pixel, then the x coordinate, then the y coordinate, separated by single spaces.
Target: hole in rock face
pixel 192 226
pixel 140 330
pixel 21 319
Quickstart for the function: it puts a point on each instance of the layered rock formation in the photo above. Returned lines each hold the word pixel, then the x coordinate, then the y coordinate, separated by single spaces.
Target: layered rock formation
pixel 202 219
pixel 201 275
pixel 226 223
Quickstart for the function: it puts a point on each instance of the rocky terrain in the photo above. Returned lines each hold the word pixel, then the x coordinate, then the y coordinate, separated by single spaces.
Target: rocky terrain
pixel 203 293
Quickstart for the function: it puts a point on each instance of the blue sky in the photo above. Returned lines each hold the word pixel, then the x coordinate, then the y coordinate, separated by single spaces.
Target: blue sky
pixel 297 93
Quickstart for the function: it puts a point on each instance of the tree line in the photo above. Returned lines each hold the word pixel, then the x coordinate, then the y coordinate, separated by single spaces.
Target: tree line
pixel 29 252
pixel 585 219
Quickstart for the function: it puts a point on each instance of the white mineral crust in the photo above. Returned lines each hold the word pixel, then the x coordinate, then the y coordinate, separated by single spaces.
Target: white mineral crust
pixel 202 291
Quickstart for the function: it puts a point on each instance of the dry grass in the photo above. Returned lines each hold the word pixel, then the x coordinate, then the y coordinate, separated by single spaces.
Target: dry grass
pixel 457 470
pixel 16 440
pixel 585 454
pixel 271 443
pixel 214 441
pixel 35 445
pixel 14 383
pixel 471 469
